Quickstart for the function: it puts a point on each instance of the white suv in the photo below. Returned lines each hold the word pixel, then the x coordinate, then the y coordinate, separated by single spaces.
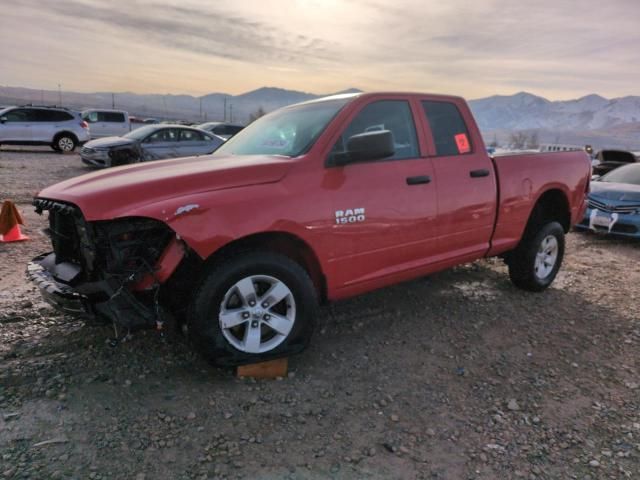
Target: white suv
pixel 60 128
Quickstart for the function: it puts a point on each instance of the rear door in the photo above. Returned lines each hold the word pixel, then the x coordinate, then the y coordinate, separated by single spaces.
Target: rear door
pixel 192 142
pixel 385 210
pixel 47 123
pixel 467 187
pixel 16 126
pixel 113 123
pixel 161 144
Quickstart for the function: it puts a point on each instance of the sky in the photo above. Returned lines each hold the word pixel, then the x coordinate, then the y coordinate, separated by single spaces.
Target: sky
pixel 559 49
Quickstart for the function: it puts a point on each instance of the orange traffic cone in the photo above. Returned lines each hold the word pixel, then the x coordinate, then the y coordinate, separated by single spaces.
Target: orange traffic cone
pixel 10 221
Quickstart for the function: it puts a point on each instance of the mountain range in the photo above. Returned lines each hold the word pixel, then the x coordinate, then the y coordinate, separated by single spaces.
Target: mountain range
pixel 589 119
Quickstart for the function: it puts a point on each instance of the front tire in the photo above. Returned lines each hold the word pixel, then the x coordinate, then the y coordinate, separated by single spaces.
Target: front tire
pixel 251 308
pixel 534 264
pixel 65 143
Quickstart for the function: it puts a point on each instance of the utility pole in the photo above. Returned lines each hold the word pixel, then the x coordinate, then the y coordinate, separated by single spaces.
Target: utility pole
pixel 231 113
pixel 113 100
pixel 59 95
pixel 225 110
pixel 200 109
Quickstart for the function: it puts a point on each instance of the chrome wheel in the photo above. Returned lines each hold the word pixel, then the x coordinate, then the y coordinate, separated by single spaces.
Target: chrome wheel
pixel 257 314
pixel 66 144
pixel 546 257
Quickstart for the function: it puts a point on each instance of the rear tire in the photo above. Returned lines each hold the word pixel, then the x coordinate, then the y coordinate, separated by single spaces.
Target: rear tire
pixel 251 308
pixel 534 264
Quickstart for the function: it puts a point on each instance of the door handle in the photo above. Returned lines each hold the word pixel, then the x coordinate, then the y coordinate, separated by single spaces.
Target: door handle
pixel 483 172
pixel 418 180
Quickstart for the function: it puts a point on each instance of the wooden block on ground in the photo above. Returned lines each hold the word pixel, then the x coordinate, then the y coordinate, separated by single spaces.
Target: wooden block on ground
pixel 271 369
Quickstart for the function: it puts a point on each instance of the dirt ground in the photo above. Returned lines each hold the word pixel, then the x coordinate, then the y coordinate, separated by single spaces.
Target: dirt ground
pixel 456 376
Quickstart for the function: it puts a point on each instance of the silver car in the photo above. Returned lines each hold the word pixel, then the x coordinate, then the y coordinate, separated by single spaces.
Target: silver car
pixel 60 128
pixel 221 129
pixel 153 142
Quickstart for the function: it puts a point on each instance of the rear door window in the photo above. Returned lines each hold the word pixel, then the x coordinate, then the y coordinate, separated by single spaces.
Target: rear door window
pixel 191 136
pixel 59 116
pixel 111 117
pixel 450 133
pixel 40 115
pixel 392 115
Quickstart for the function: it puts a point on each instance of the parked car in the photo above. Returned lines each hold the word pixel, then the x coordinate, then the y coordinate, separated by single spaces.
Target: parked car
pixel 613 204
pixel 58 127
pixel 151 142
pixel 106 123
pixel 608 160
pixel 221 129
pixel 314 202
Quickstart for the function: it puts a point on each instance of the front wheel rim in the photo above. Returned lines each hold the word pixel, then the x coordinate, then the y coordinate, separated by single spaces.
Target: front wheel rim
pixel 546 257
pixel 257 314
pixel 65 144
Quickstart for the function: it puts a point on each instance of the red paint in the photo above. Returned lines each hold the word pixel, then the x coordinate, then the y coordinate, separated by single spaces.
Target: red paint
pixel 409 231
pixel 167 263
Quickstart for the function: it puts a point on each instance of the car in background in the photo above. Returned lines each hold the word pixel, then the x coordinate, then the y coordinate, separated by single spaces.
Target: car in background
pixel 151 121
pixel 613 204
pixel 607 160
pixel 151 142
pixel 221 129
pixel 60 128
pixel 107 123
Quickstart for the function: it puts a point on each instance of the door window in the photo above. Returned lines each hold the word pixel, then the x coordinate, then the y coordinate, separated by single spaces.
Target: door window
pixel 41 115
pixel 111 117
pixel 392 115
pixel 90 117
pixel 161 136
pixel 191 136
pixel 449 131
pixel 17 115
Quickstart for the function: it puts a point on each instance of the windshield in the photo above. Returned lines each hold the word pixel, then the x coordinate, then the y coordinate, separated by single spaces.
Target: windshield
pixel 288 131
pixel 141 133
pixel 627 174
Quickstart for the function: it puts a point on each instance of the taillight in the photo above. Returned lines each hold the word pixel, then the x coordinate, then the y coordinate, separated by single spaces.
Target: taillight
pixel 84 124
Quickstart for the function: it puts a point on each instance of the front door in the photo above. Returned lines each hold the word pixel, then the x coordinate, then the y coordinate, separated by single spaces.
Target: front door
pixel 16 126
pixel 384 211
pixel 192 142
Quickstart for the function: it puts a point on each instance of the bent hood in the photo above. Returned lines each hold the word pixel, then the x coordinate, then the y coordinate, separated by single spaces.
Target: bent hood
pixel 108 142
pixel 116 191
pixel 616 192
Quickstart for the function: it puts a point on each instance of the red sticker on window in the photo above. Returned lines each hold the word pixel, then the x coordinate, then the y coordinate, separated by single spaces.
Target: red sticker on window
pixel 463 143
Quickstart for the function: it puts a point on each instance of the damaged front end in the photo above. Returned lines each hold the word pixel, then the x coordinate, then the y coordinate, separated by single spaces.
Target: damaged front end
pixel 113 269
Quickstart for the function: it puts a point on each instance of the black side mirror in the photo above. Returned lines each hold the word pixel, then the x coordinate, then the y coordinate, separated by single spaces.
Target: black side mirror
pixel 366 146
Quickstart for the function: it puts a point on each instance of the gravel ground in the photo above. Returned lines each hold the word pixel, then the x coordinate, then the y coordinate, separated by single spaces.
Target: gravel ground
pixel 455 376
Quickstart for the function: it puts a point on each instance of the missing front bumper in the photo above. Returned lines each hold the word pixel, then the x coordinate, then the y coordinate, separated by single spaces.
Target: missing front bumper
pixel 98 299
pixel 61 296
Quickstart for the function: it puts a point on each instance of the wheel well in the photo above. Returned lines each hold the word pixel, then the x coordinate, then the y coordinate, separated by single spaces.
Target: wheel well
pixel 283 243
pixel 552 205
pixel 65 132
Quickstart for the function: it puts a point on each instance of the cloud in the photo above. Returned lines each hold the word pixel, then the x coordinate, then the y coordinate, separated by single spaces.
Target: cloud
pixel 211 32
pixel 556 48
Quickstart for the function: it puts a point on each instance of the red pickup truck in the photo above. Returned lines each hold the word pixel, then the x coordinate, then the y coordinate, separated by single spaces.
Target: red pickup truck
pixel 314 202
